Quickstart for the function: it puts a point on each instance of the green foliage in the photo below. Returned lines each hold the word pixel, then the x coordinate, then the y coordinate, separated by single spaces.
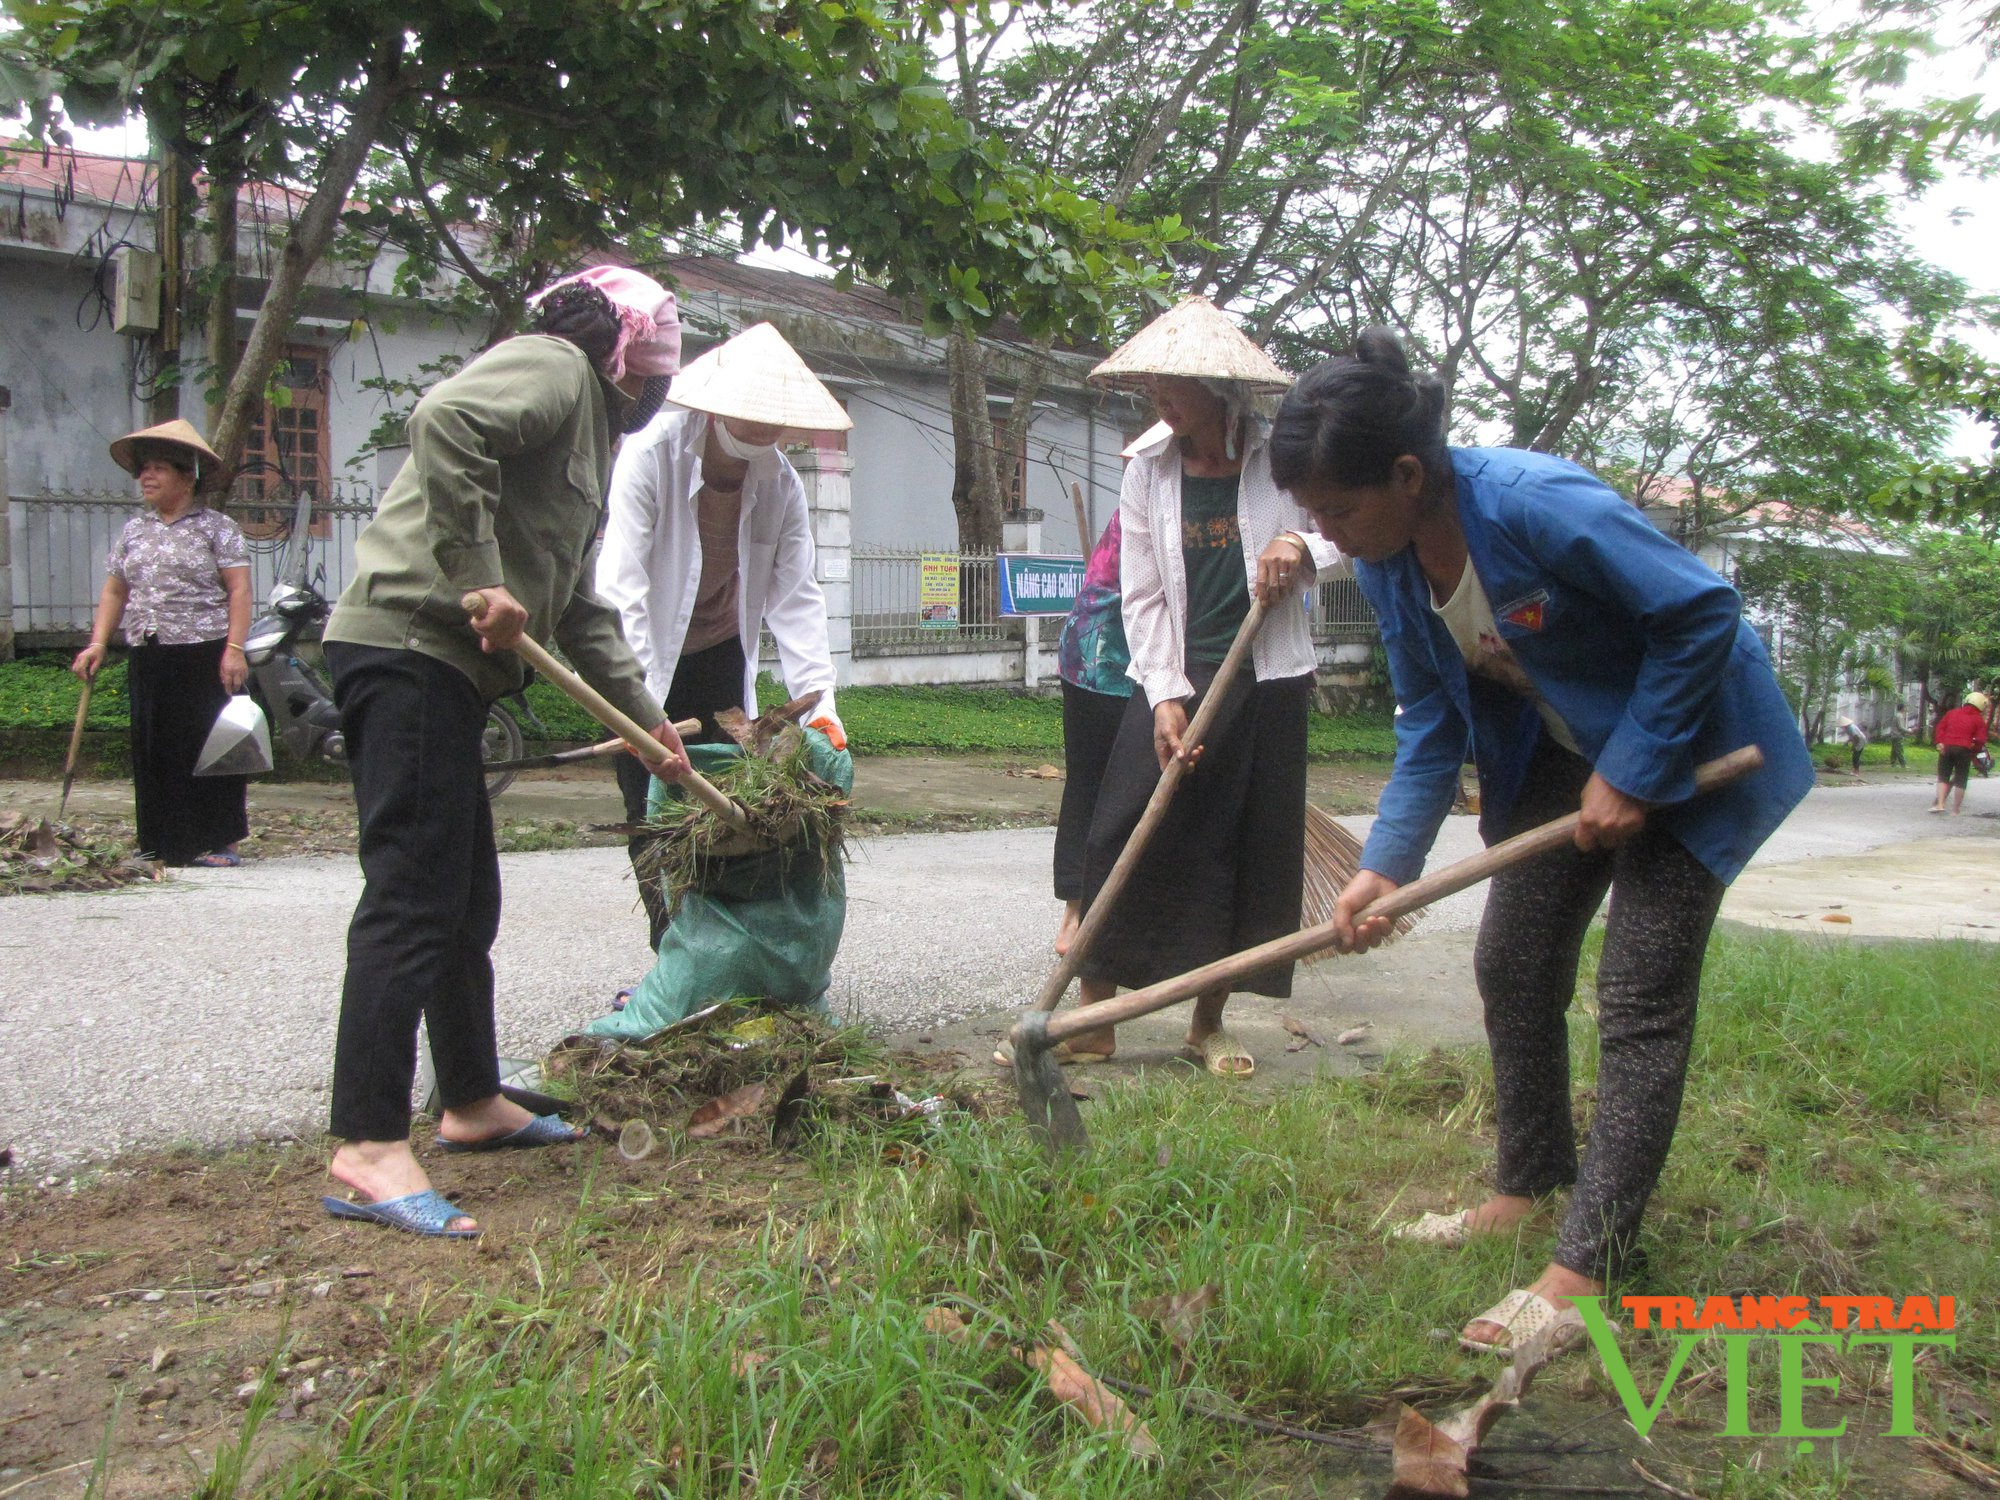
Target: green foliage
pixel 40 692
pixel 1829 605
pixel 1599 222
pixel 1954 492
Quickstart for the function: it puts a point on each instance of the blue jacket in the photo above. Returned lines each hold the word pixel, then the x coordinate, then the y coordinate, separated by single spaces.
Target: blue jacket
pixel 1636 644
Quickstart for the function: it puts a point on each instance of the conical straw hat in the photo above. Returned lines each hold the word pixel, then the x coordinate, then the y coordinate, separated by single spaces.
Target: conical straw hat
pixel 182 434
pixel 1194 339
pixel 758 377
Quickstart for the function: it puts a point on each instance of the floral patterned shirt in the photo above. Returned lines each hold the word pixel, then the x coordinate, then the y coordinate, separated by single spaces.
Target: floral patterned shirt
pixel 174 574
pixel 1091 652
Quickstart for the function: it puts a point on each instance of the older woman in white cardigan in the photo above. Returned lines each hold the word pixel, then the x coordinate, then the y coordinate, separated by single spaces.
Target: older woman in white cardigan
pixel 1205 527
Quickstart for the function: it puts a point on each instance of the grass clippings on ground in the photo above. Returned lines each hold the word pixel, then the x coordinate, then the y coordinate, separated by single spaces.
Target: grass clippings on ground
pixel 726 1317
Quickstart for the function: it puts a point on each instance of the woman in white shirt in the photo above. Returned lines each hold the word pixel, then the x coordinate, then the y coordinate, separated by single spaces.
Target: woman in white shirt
pixel 1205 527
pixel 709 542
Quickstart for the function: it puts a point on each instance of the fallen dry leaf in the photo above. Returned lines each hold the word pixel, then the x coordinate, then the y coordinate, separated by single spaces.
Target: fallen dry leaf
pixel 1426 1461
pixel 748 1362
pixel 1354 1034
pixel 718 1114
pixel 1302 1035
pixel 1837 916
pixel 1099 1407
pixel 1181 1312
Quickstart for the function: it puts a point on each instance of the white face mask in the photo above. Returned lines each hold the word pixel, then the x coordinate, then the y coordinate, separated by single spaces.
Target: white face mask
pixel 728 442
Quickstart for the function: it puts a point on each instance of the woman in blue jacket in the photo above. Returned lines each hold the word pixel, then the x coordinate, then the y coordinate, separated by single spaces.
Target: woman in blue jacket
pixel 1533 617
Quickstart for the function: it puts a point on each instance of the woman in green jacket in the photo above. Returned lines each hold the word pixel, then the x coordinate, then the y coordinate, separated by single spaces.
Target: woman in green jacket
pixel 500 497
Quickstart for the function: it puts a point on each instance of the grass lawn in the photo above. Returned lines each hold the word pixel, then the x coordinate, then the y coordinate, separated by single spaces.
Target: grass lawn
pixel 38 693
pixel 1839 1137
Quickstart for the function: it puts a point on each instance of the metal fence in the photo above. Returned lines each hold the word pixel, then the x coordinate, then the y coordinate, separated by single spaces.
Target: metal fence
pixel 887 600
pixel 887 611
pixel 61 541
pixel 1340 613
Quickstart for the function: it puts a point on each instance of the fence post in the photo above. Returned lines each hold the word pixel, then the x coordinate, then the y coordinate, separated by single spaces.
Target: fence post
pixel 828 477
pixel 6 539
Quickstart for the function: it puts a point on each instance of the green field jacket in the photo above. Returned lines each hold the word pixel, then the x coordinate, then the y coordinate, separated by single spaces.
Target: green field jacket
pixel 504 484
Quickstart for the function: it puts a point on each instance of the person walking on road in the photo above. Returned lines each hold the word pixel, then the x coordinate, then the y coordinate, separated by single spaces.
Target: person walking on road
pixel 1960 735
pixel 501 497
pixel 178 582
pixel 1533 616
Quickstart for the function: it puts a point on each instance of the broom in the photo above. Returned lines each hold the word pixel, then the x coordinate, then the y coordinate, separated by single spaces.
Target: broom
pixel 1333 857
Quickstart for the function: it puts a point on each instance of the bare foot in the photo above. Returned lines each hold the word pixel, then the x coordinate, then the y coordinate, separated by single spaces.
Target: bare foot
pixel 1557 1283
pixel 381 1170
pixel 487 1120
pixel 1499 1214
pixel 1100 1043
pixel 1066 934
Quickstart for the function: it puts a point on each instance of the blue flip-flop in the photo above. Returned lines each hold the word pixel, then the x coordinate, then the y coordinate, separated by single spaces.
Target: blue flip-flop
pixel 543 1130
pixel 428 1213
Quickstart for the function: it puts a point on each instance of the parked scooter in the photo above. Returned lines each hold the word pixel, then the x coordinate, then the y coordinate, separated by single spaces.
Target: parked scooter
pixel 294 693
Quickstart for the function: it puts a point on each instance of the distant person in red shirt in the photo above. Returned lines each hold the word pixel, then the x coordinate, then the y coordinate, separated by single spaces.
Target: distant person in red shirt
pixel 1960 734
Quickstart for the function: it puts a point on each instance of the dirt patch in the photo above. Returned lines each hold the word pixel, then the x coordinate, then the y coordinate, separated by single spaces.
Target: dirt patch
pixel 141 1307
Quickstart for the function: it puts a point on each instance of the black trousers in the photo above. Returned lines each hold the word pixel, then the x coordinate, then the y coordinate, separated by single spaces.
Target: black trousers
pixel 1225 870
pixel 1090 728
pixel 175 693
pixel 1663 904
pixel 705 682
pixel 419 943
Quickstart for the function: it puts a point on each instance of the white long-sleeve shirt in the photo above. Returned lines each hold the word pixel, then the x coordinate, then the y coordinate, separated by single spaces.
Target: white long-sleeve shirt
pixel 649 569
pixel 1152 571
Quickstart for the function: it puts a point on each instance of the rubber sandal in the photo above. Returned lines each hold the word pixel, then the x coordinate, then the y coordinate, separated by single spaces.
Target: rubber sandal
pixel 623 998
pixel 543 1130
pixel 1003 1056
pixel 217 859
pixel 428 1213
pixel 1450 1230
pixel 1521 1316
pixel 1220 1048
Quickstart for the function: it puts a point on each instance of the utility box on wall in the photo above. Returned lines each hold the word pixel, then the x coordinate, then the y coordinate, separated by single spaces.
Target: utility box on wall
pixel 135 291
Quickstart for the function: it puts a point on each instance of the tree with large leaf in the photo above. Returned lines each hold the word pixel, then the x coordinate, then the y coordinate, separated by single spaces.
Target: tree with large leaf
pixel 592 119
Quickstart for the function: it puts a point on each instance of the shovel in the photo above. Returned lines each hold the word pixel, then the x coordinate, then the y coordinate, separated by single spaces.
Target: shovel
pixel 683 728
pixel 1099 913
pixel 1045 1096
pixel 75 744
pixel 650 751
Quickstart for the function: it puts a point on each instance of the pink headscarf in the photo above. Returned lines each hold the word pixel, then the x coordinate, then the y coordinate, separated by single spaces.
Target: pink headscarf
pixel 649 340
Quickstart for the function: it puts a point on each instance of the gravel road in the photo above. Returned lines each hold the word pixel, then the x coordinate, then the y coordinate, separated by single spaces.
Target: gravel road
pixel 203 1009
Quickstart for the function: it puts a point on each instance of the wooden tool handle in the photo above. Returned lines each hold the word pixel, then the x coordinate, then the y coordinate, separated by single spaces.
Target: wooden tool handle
pixel 630 730
pixel 1156 809
pixel 1404 899
pixel 76 733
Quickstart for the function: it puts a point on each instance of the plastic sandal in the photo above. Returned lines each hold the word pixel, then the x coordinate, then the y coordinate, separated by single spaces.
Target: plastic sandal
pixel 1522 1316
pixel 428 1213
pixel 217 859
pixel 543 1130
pixel 623 998
pixel 1449 1230
pixel 1220 1052
pixel 1003 1055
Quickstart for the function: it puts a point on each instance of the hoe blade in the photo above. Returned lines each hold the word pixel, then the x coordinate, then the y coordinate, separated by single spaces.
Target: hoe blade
pixel 1044 1092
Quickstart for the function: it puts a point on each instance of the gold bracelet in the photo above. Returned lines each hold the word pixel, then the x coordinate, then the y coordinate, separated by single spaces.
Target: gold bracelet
pixel 233 646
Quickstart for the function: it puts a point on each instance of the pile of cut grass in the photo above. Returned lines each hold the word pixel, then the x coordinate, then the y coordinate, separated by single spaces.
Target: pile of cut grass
pixel 1838 1137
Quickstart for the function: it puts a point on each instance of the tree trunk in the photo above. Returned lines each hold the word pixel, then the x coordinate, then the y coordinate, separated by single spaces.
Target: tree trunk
pixel 176 189
pixel 303 247
pixel 225 182
pixel 975 488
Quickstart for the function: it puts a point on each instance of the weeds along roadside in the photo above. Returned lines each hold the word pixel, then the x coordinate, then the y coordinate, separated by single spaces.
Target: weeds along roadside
pixel 1838 1137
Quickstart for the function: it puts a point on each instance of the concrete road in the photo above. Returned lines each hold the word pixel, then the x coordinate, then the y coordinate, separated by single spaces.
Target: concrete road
pixel 203 1009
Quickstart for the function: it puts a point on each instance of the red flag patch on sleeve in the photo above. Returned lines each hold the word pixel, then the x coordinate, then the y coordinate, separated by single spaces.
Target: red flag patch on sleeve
pixel 1526 614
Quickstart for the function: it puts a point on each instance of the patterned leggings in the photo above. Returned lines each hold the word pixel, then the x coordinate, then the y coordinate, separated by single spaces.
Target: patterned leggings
pixel 1663 903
